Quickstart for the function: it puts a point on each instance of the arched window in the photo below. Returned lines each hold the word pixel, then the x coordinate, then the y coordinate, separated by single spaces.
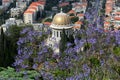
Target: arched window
pixel 67 32
pixel 57 33
pixel 50 45
pixel 60 34
pixel 54 33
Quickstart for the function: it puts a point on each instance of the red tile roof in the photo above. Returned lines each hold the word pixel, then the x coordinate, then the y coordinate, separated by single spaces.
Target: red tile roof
pixel 117 18
pixel 33 6
pixel 106 23
pixel 28 12
pixel 71 11
pixel 80 15
pixel 78 22
pixel 76 27
pixel 47 23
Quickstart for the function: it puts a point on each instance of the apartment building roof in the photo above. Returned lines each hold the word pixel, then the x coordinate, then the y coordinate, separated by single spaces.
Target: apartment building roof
pixel 106 23
pixel 33 7
pixel 78 22
pixel 117 12
pixel 76 27
pixel 117 18
pixel 28 12
pixel 71 11
pixel 6 0
pixel 80 15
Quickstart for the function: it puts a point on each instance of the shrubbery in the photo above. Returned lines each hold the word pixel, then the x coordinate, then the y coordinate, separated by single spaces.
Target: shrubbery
pixel 11 74
pixel 93 54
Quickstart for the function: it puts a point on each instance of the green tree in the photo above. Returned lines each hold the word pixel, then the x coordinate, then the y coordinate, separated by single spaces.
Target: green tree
pixel 1 11
pixel 12 38
pixel 2 54
pixel 8 46
pixel 50 4
pixel 48 20
pixel 63 41
pixel 74 19
pixel 66 8
pixel 72 14
pixel 71 38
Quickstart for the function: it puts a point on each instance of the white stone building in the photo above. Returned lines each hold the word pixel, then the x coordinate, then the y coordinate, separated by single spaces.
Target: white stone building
pixel 21 5
pixel 60 21
pixel 33 10
pixel 23 2
pixel 15 12
pixel 11 21
pixel 28 17
pixel 79 7
pixel 6 4
pixel 38 26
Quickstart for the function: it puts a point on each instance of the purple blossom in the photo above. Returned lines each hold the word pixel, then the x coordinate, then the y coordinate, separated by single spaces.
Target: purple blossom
pixel 25 30
pixel 69 44
pixel 24 66
pixel 35 66
pixel 56 56
pixel 101 52
pixel 92 40
pixel 102 62
pixel 86 70
pixel 117 37
pixel 18 62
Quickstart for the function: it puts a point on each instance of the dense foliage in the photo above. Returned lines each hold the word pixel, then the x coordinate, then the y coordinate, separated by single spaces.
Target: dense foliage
pixel 11 74
pixel 94 54
pixel 33 53
pixel 8 44
pixel 50 4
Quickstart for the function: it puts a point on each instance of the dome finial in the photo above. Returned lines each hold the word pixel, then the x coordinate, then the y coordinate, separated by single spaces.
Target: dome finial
pixel 61 10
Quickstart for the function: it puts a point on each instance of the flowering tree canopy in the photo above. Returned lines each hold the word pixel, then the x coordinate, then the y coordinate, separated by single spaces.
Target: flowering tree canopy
pixel 93 55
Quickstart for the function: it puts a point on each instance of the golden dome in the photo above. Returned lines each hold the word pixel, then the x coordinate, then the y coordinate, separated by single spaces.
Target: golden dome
pixel 61 19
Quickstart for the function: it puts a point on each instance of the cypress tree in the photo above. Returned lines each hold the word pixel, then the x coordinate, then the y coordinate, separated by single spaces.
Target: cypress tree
pixel 63 41
pixel 4 52
pixel 7 51
pixel 71 39
pixel 2 56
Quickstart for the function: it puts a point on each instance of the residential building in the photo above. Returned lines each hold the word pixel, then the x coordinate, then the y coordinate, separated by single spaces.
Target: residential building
pixel 77 25
pixel 15 12
pixel 22 5
pixel 6 2
pixel 38 26
pixel 79 7
pixel 11 21
pixel 33 11
pixel 112 15
pixel 28 17
pixel 80 16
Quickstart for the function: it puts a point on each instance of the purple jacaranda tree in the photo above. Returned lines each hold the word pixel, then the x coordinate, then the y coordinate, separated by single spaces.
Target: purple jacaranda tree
pixel 91 56
pixel 98 50
pixel 32 49
pixel 94 55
